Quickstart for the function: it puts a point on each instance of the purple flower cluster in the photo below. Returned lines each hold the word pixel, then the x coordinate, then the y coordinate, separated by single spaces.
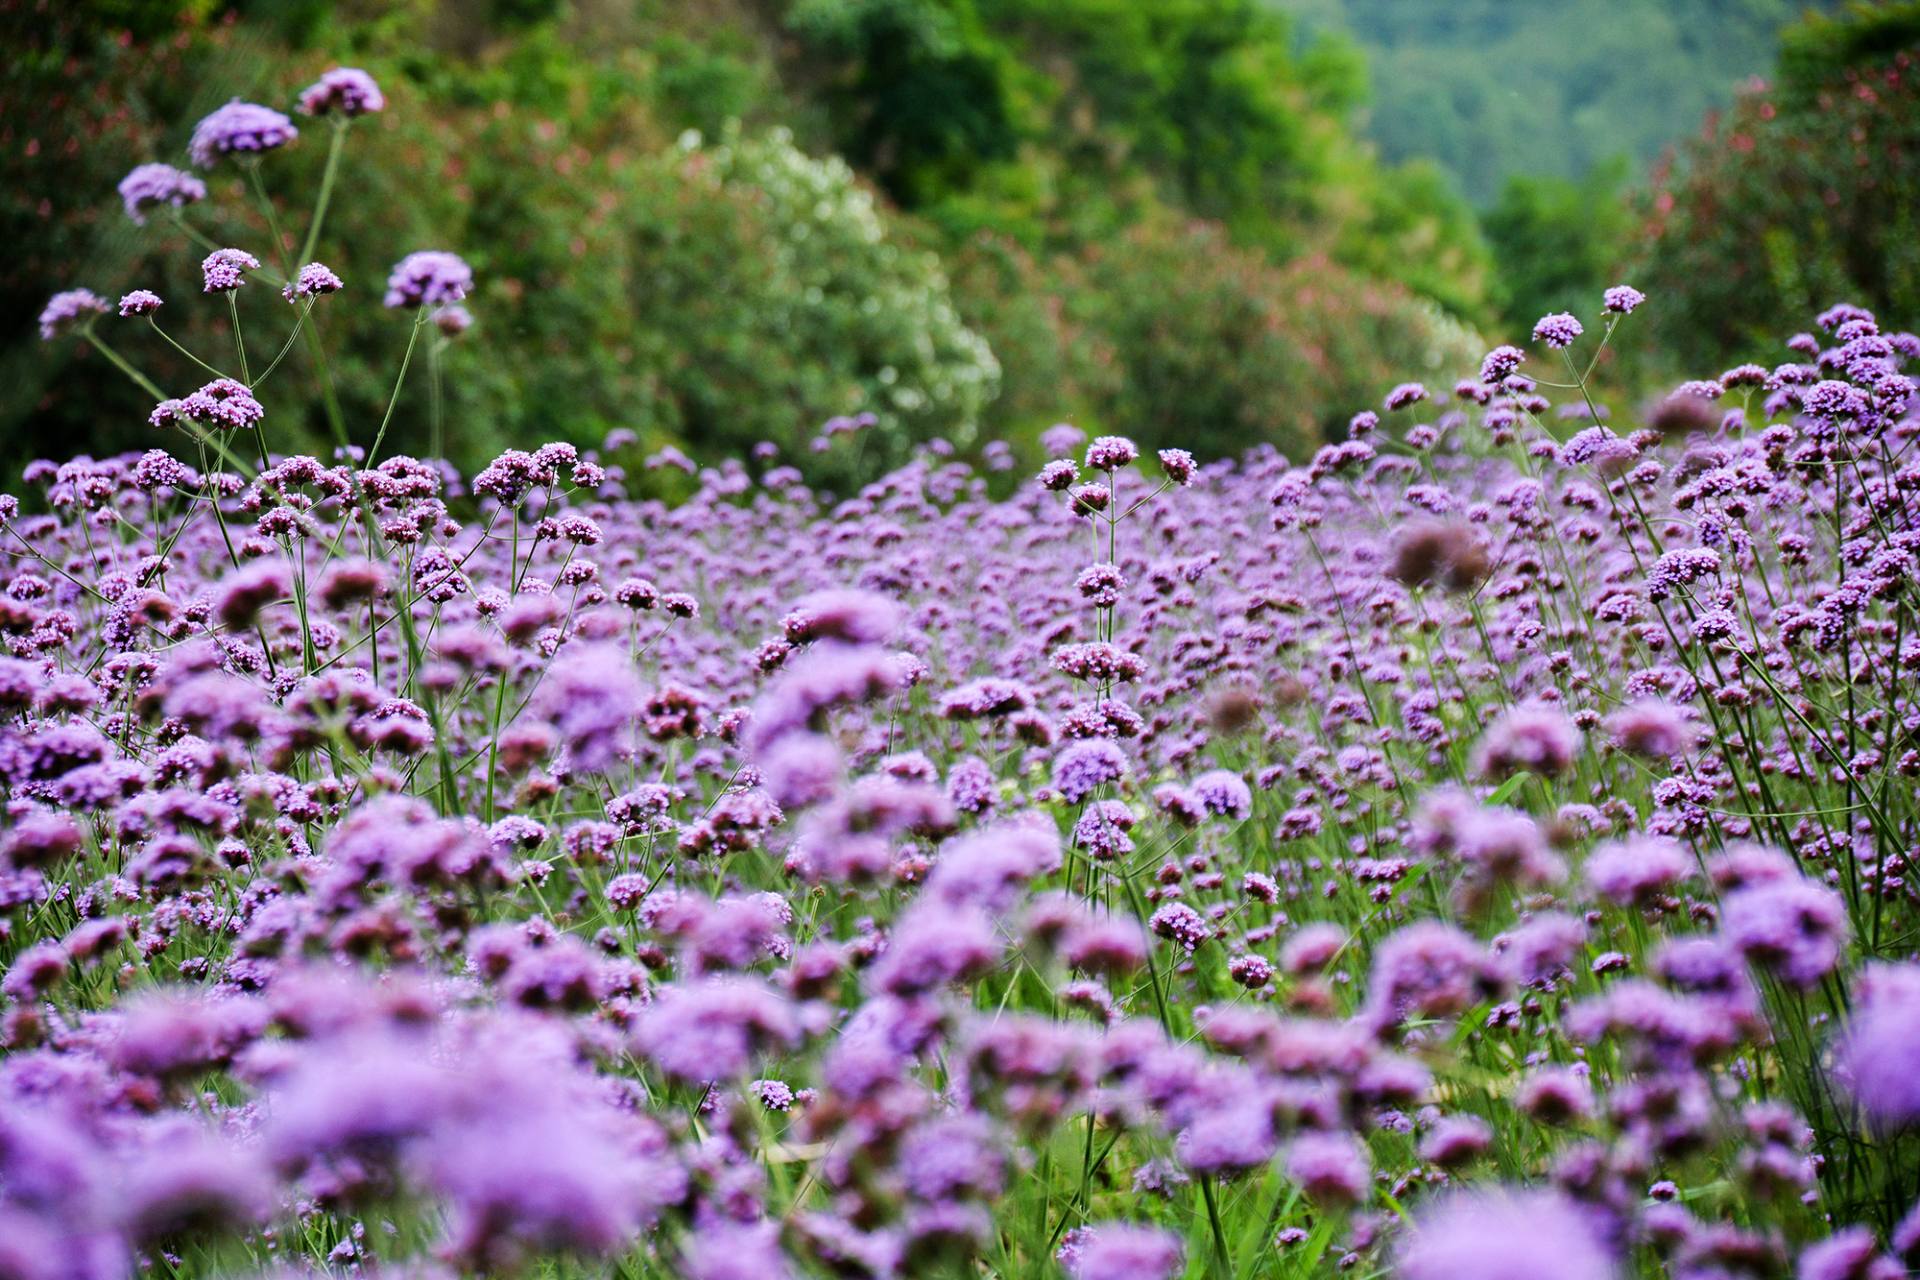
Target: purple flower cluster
pixel 149 186
pixel 1464 853
pixel 429 278
pixel 239 128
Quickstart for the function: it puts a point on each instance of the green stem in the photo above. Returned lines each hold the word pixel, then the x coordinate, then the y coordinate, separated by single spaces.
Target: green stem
pixel 239 342
pixel 326 189
pixel 182 350
pixel 420 319
pixel 298 323
pixel 120 362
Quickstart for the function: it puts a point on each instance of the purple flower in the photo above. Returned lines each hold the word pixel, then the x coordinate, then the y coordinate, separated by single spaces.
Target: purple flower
pixel 1652 728
pixel 1881 1048
pixel 1621 299
pixel 1177 922
pixel 239 128
pixel 1635 871
pixel 1455 1140
pixel 1429 969
pixel 141 302
pixel 223 269
pixel 1795 929
pixel 1330 1168
pixel 1557 330
pixel 429 278
pixel 1851 1253
pixel 68 310
pixel 221 405
pixel 1109 453
pixel 713 1029
pixel 1404 396
pixel 1501 362
pixel 1534 738
pixel 1179 466
pixel 1504 1235
pixel 1122 1251
pixel 851 616
pixel 347 90
pixel 313 280
pixel 1086 765
pixel 150 185
pixel 593 697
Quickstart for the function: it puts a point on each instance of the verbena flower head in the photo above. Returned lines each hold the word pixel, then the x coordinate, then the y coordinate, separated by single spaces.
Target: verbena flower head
pixel 222 405
pixel 1121 1251
pixel 224 269
pixel 1504 1235
pixel 239 129
pixel 346 90
pixel 1557 330
pixel 69 310
pixel 1500 363
pixel 1534 738
pixel 141 302
pixel 314 279
pixel 1179 466
pixel 1108 453
pixel 429 278
pixel 150 186
pixel 1621 299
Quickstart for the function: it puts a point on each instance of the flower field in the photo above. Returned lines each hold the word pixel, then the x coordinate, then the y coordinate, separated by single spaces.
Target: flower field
pixel 1477 851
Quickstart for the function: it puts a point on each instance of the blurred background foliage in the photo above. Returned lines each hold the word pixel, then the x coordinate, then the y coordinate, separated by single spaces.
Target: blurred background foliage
pixel 1198 222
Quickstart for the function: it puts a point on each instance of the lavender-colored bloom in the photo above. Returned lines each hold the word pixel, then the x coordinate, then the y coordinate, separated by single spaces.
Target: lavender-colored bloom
pixel 1122 1251
pixel 1455 1140
pixel 221 405
pixel 1404 396
pixel 239 129
pixel 141 302
pixel 313 280
pixel 1429 969
pixel 1652 728
pixel 1501 362
pixel 69 310
pixel 1179 466
pixel 713 1029
pixel 1851 1253
pixel 1534 738
pixel 1795 929
pixel 1330 1168
pixel 429 278
pixel 1557 330
pixel 850 616
pixel 149 186
pixel 347 90
pixel 593 697
pixel 1621 299
pixel 1225 793
pixel 1313 947
pixel 224 269
pixel 452 321
pixel 1637 870
pixel 1086 765
pixel 737 1251
pixel 1880 1053
pixel 1108 453
pixel 1504 1235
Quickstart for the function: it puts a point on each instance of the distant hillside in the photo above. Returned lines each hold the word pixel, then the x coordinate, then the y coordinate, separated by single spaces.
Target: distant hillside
pixel 1493 88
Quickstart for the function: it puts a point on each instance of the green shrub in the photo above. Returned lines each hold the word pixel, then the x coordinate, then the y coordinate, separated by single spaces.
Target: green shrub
pixel 775 297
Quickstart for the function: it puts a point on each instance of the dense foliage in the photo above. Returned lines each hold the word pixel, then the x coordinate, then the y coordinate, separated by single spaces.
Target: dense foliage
pixel 1479 850
pixel 1494 90
pixel 628 282
pixel 1804 192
